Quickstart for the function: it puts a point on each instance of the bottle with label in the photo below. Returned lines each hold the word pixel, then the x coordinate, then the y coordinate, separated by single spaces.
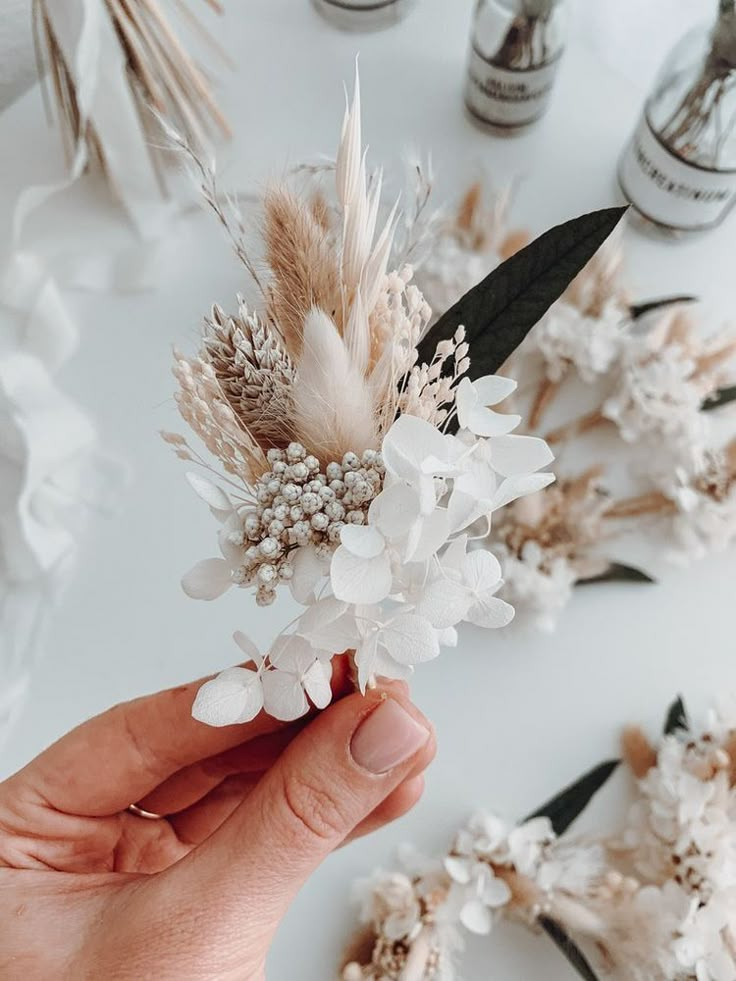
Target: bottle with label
pixel 363 15
pixel 515 51
pixel 679 170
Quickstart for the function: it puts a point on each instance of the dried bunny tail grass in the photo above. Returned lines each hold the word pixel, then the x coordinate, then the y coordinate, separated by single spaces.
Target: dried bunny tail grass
pixel 638 752
pixel 254 371
pixel 302 261
pixel 163 76
pixel 334 412
pixel 651 503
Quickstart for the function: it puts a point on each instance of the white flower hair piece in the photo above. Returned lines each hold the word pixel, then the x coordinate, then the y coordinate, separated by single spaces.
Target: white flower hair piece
pixel 654 899
pixel 364 451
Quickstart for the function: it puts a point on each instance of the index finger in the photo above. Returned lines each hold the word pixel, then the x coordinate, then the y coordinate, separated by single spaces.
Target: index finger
pixel 121 756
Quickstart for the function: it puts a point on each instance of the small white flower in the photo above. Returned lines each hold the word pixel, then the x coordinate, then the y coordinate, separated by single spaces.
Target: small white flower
pixel 473 399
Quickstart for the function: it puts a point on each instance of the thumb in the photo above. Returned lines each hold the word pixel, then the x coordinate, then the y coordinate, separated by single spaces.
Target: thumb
pixel 333 775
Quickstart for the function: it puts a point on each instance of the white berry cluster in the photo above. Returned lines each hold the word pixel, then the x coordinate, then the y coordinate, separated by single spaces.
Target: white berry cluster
pixel 299 505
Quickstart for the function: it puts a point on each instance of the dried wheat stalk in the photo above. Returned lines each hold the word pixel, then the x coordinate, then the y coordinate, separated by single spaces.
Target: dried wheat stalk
pixel 163 77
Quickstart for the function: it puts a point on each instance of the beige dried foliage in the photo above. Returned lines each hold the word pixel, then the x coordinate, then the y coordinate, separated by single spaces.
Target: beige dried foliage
pixel 303 264
pixel 637 751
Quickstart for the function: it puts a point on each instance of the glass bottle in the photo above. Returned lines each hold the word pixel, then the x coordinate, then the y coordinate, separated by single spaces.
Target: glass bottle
pixel 363 15
pixel 515 51
pixel 679 169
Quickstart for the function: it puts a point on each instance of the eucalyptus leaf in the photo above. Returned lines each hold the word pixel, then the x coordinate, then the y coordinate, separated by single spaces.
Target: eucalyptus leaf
pixel 642 309
pixel 618 572
pixel 563 809
pixel 724 396
pixel 500 311
pixel 676 718
pixel 569 948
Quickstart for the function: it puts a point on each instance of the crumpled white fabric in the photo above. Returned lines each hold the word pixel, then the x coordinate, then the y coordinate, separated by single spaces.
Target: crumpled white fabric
pixel 51 475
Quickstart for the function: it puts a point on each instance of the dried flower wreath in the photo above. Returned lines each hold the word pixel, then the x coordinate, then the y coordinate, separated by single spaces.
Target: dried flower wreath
pixel 654 900
pixel 360 446
pixel 655 376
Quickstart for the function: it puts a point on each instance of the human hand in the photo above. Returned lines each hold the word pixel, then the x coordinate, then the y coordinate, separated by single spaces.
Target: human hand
pixel 89 890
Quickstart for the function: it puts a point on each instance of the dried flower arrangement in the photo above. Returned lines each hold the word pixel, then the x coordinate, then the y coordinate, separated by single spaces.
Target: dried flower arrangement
pixel 360 446
pixel 113 67
pixel 655 377
pixel 654 900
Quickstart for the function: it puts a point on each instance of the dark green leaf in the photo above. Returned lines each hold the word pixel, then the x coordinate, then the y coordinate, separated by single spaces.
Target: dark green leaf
pixel 563 809
pixel 569 948
pixel 642 309
pixel 720 398
pixel 676 717
pixel 500 311
pixel 617 572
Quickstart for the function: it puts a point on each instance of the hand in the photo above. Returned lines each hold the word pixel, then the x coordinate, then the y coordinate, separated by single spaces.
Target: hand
pixel 89 890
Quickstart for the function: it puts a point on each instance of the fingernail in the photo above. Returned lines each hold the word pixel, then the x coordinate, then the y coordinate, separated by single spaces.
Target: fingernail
pixel 387 737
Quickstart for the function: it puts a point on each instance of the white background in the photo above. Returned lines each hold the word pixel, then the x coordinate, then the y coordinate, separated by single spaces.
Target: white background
pixel 517 714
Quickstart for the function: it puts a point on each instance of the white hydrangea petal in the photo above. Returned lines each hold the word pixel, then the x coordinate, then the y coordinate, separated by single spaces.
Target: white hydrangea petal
pixel 457 868
pixel 485 422
pixel 335 636
pixel 466 399
pixel 357 580
pixel 515 487
pixel 316 682
pixel 410 639
pixel 448 637
pixel 234 696
pixel 207 580
pixel 444 603
pixel 309 569
pixel 492 389
pixel 394 510
pixel 210 493
pixel 481 570
pixel 490 612
pixel 433 533
pixel 463 509
pixel 283 696
pixel 365 660
pixel 363 540
pixel 408 443
pixel 476 917
pixel 290 652
pixel 513 455
pixel 248 648
pixel 321 613
pixel 384 666
pixel 496 892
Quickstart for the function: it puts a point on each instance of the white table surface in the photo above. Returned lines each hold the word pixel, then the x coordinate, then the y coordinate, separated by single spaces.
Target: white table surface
pixel 517 714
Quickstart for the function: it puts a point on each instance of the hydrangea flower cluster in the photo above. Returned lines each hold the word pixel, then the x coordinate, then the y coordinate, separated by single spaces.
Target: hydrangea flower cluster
pixel 655 899
pixel 397 580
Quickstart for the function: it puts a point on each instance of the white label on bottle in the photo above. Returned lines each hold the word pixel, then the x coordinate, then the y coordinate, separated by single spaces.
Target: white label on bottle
pixel 507 97
pixel 671 191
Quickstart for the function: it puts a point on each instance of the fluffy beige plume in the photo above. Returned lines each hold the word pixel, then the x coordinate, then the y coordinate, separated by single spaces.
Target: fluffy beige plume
pixel 303 265
pixel 333 408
